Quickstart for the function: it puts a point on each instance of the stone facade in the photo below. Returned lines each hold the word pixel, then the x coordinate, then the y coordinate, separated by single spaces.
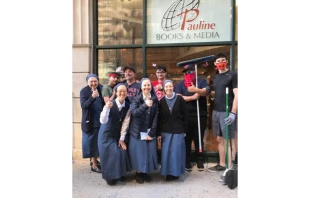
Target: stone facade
pixel 81 66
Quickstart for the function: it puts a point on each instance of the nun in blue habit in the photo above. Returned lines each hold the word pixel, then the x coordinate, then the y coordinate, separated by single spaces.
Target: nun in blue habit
pixel 171 132
pixel 114 119
pixel 91 103
pixel 144 115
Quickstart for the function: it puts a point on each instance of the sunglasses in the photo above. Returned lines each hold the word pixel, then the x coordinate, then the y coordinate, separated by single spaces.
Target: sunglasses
pixel 189 71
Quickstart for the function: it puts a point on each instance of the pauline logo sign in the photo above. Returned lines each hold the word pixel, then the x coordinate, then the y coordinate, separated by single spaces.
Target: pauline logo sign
pixel 189 21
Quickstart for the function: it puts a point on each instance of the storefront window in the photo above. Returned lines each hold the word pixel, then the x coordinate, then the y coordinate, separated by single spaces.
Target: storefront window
pixel 119 22
pixel 110 59
pixel 170 56
pixel 236 22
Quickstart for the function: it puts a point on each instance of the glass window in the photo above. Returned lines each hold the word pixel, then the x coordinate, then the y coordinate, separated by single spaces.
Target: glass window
pixel 119 22
pixel 170 56
pixel 236 23
pixel 110 59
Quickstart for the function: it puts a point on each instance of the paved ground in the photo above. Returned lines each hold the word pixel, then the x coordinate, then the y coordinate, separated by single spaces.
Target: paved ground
pixel 196 184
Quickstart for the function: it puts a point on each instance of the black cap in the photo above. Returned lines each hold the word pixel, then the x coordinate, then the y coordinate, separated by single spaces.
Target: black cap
pixel 161 68
pixel 188 67
pixel 131 68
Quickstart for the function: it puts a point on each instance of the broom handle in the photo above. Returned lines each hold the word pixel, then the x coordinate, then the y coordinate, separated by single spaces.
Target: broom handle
pixel 198 113
pixel 226 128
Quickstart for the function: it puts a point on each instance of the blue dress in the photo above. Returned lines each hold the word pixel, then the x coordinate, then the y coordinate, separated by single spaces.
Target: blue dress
pixel 91 109
pixel 114 160
pixel 143 153
pixel 173 122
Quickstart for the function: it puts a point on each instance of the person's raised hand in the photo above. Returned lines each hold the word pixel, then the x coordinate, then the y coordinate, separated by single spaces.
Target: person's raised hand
pixel 108 104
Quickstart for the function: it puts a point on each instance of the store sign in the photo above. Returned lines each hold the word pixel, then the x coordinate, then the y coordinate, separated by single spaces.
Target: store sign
pixel 187 21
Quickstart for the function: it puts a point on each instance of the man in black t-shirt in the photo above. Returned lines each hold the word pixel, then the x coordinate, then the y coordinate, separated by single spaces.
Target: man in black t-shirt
pixel 191 105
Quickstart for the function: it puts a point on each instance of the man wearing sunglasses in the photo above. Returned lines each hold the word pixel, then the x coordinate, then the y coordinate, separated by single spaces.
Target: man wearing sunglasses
pixel 191 105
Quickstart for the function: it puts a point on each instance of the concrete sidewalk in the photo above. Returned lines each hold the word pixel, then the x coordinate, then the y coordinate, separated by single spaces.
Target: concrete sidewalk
pixel 87 184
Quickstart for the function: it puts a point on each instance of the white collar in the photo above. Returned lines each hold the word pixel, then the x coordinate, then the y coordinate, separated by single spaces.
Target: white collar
pixel 119 105
pixel 144 97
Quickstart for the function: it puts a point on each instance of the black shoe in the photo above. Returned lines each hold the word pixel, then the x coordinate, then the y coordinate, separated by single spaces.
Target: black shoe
pixel 200 165
pixel 111 182
pixel 188 166
pixel 98 163
pixel 171 177
pixel 218 168
pixel 146 177
pixel 139 178
pixel 97 170
pixel 122 179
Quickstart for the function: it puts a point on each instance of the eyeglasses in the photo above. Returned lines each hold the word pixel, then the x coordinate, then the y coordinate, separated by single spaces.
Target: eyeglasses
pixel 189 72
pixel 221 60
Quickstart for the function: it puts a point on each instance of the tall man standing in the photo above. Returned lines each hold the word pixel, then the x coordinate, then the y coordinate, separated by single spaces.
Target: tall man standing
pixel 191 104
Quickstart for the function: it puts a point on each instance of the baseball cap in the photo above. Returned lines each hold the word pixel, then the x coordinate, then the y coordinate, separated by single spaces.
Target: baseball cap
pixel 188 67
pixel 119 70
pixel 131 68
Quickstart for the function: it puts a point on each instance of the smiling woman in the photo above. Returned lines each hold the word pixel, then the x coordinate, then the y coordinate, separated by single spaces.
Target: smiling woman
pixel 144 115
pixel 114 120
pixel 91 103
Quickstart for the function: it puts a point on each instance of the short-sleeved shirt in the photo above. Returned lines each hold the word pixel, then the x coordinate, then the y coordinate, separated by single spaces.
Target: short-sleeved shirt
pixel 107 91
pixel 159 93
pixel 132 90
pixel 220 82
pixel 192 105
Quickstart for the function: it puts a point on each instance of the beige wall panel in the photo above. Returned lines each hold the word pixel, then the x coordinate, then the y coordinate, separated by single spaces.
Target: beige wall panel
pixel 80 59
pixel 78 82
pixel 77 111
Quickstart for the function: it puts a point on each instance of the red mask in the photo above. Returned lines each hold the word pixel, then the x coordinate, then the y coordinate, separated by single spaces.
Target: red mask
pixel 189 79
pixel 221 65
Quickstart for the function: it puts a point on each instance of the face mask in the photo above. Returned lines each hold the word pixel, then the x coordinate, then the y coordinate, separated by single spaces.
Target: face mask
pixel 221 65
pixel 189 79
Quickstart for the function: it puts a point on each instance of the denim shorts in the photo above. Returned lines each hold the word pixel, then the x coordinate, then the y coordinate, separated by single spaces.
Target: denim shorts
pixel 218 125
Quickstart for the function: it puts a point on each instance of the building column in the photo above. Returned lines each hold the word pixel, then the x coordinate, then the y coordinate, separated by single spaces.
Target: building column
pixel 81 66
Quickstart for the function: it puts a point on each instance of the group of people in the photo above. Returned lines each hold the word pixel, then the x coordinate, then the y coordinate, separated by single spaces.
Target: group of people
pixel 124 121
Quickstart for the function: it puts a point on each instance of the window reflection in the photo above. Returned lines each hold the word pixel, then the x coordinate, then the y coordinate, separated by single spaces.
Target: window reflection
pixel 110 59
pixel 119 22
pixel 170 56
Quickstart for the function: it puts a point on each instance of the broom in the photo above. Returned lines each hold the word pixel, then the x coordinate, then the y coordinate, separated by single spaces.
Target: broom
pixel 222 179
